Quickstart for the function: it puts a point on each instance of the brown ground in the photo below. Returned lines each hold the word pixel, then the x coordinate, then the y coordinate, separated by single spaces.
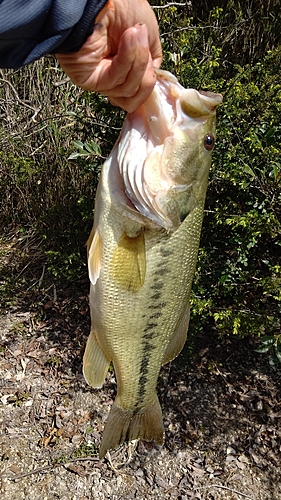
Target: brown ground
pixel 221 411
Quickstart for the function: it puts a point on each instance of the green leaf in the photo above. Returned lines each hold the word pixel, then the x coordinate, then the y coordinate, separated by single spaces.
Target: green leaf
pixel 277 350
pixel 268 340
pixel 73 156
pixel 88 147
pixel 261 349
pixel 273 361
pixel 94 147
pixel 78 144
pixel 247 169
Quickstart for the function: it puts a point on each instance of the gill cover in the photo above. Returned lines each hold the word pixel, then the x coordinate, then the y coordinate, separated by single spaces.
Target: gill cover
pixel 153 139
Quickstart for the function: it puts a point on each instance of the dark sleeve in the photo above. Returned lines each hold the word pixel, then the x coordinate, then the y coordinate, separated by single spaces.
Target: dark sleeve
pixel 30 29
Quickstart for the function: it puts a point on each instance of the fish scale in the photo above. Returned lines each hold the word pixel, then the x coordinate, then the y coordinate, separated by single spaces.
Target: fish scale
pixel 141 264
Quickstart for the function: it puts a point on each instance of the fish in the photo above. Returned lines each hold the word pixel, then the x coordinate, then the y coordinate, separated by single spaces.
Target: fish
pixel 142 251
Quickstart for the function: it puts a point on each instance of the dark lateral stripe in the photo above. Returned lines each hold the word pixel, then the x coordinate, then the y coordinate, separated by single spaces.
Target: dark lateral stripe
pixel 149 331
pixel 156 315
pixel 157 286
pixel 165 252
pixel 150 326
pixel 141 392
pixel 149 336
pixel 159 305
pixel 147 348
pixel 162 271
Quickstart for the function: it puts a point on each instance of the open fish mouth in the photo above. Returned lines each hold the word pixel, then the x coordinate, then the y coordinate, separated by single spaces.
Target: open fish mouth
pixel 171 114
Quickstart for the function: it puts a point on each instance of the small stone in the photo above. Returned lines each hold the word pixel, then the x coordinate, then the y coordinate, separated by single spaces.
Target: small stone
pixel 240 465
pixel 230 451
pixel 243 459
pixel 77 439
pixel 259 405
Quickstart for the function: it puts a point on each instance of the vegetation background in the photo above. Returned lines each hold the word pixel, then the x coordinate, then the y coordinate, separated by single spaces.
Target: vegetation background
pixel 55 137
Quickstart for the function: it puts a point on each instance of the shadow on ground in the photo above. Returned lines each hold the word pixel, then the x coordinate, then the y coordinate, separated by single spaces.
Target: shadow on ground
pixel 221 409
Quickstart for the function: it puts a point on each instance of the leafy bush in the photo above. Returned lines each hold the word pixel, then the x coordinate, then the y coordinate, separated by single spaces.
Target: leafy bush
pixel 54 138
pixel 40 187
pixel 237 287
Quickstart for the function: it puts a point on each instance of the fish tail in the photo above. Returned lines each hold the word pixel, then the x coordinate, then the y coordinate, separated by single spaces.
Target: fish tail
pixel 123 425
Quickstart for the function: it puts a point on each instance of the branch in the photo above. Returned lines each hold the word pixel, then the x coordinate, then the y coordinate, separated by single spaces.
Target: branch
pixel 49 468
pixel 36 110
pixel 180 4
pixel 224 488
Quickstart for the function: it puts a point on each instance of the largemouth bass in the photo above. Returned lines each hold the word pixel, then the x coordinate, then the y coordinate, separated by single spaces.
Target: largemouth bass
pixel 143 249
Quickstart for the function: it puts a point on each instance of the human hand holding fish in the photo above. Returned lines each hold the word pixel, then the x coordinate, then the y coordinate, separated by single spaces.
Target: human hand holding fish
pixel 118 59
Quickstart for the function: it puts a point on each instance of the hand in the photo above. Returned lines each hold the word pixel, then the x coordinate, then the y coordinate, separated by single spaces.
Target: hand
pixel 117 60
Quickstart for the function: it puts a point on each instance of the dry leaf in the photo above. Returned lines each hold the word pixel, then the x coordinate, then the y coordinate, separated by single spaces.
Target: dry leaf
pixel 77 469
pixel 14 468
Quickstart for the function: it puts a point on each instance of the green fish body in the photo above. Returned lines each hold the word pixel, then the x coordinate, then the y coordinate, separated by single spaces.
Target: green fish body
pixel 143 249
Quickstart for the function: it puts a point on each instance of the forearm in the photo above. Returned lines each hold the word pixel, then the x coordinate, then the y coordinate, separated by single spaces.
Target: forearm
pixel 31 29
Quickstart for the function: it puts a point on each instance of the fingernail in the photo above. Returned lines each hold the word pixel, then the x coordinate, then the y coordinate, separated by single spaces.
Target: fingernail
pixel 142 35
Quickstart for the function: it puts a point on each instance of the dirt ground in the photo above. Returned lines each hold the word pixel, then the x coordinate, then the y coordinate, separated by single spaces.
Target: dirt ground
pixel 221 410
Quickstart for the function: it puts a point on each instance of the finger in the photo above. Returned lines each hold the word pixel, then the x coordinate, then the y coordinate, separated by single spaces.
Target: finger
pixel 134 76
pixel 124 72
pixel 131 103
pixel 155 48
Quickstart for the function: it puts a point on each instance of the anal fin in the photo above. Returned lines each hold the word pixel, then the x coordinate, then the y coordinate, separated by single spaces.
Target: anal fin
pixel 123 425
pixel 178 340
pixel 95 363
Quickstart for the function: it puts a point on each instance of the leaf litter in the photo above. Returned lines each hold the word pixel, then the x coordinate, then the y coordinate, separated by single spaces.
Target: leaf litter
pixel 221 413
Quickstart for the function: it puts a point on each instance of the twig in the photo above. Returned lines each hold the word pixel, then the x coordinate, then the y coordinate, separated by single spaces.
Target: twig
pixel 40 470
pixel 35 128
pixel 48 468
pixel 180 4
pixel 224 488
pixel 35 110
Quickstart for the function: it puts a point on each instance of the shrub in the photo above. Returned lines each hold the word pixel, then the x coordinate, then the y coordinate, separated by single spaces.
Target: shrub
pixel 228 47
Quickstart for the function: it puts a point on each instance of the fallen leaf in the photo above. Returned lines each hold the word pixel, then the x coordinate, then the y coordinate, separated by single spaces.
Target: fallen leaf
pixel 230 450
pixel 14 468
pixel 77 469
pixel 240 465
pixel 243 459
pixel 34 354
pixel 17 352
pixel 5 399
pixel 161 482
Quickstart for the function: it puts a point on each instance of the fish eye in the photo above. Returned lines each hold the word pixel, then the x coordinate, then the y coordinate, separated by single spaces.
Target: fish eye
pixel 209 142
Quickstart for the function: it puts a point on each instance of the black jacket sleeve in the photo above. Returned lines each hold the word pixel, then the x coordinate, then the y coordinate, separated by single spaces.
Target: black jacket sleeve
pixel 30 29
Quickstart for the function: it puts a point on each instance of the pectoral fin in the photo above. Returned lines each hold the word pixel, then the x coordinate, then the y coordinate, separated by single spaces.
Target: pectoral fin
pixel 95 363
pixel 178 340
pixel 128 265
pixel 94 255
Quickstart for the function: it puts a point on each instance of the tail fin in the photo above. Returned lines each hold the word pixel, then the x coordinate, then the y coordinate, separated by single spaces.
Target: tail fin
pixel 123 425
